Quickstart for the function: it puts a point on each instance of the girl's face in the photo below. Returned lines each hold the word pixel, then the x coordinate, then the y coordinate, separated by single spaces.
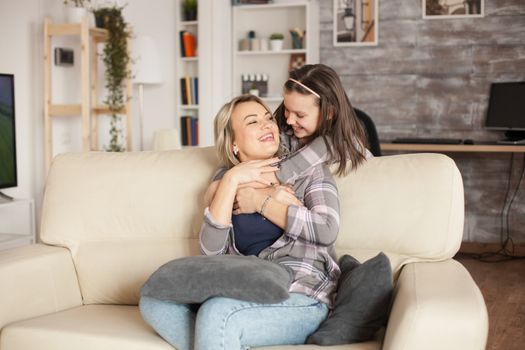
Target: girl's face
pixel 302 113
pixel 255 131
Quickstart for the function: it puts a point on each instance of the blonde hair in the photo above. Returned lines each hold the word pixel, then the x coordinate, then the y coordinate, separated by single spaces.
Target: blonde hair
pixel 224 131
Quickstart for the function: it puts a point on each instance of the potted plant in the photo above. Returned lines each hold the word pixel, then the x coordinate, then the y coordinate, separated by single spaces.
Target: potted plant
pixel 276 41
pixel 116 58
pixel 190 10
pixel 76 12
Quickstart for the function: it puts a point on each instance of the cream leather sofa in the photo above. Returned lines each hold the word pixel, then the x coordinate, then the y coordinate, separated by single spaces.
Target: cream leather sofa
pixel 109 220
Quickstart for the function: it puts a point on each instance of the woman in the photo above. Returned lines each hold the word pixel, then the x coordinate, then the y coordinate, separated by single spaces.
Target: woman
pixel 301 237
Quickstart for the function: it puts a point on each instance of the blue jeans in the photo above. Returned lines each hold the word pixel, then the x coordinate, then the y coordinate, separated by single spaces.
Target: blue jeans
pixel 230 324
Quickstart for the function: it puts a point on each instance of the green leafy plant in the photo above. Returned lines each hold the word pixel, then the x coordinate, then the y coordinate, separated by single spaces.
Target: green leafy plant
pixel 190 5
pixel 276 36
pixel 77 3
pixel 190 9
pixel 116 59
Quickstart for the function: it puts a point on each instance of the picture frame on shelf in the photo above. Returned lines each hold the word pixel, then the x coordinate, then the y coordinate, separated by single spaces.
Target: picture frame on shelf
pixel 443 9
pixel 355 22
pixel 297 60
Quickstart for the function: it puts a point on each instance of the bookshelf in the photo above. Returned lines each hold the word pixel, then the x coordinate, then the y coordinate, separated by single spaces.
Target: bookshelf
pixel 187 77
pixel 278 17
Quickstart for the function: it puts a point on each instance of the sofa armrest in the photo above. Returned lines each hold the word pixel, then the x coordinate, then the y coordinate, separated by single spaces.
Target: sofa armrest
pixel 35 280
pixel 437 305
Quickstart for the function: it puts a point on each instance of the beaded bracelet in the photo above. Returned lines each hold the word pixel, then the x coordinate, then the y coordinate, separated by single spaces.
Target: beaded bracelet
pixel 263 206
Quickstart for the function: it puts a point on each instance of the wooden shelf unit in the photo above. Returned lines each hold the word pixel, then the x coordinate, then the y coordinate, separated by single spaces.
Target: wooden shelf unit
pixel 88 108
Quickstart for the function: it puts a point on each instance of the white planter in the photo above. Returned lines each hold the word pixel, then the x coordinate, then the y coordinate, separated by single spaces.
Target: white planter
pixel 75 14
pixel 276 45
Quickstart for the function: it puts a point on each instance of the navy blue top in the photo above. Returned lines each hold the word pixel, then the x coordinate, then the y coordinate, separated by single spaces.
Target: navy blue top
pixel 253 233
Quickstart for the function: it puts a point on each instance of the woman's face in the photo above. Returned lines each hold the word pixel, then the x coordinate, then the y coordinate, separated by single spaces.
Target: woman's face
pixel 255 131
pixel 302 113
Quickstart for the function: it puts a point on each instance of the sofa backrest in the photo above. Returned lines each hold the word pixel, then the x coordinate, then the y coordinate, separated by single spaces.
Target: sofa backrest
pixel 123 215
pixel 409 206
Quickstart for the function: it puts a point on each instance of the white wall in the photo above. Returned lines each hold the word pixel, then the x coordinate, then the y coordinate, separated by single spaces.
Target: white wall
pixel 156 18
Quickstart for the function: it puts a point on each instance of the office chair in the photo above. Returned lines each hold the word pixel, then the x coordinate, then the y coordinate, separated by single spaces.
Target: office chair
pixel 371 132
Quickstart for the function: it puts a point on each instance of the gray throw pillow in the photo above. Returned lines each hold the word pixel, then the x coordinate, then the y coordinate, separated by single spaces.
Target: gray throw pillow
pixel 194 279
pixel 362 303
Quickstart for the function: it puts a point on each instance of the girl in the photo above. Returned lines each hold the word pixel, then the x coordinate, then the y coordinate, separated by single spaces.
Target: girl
pixel 300 237
pixel 316 108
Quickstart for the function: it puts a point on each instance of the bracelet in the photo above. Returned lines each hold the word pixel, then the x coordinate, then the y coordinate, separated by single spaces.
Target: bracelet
pixel 263 206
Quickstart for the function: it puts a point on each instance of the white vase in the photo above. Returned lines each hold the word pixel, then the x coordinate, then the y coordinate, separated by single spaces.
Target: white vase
pixel 76 14
pixel 276 45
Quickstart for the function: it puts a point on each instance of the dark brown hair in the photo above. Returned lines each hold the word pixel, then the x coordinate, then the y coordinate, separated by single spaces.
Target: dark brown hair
pixel 339 126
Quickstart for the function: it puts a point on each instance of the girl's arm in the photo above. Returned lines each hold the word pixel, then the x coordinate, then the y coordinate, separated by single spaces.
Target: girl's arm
pixel 317 221
pixel 302 161
pixel 272 203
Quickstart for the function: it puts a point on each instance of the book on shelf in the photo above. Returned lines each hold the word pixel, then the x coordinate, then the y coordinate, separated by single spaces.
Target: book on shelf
pixel 181 41
pixel 188 44
pixel 189 90
pixel 189 129
pixel 196 91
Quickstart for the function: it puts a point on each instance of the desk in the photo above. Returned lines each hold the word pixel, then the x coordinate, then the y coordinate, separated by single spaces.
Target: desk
pixel 420 147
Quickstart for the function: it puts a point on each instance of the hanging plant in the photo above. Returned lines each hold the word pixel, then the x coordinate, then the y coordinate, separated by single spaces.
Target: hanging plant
pixel 116 59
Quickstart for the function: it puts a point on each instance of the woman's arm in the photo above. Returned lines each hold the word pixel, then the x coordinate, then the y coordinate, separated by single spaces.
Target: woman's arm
pixel 217 218
pixel 222 203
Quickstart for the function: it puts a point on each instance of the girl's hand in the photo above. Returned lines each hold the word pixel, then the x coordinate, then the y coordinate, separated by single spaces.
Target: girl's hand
pixel 252 171
pixel 286 195
pixel 248 198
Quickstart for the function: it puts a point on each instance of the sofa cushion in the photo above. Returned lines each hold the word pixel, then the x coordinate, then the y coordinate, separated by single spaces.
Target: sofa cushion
pixel 88 327
pixel 105 327
pixel 194 279
pixel 123 215
pixel 362 303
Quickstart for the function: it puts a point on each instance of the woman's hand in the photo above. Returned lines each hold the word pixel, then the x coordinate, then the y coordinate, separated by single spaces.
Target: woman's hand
pixel 252 171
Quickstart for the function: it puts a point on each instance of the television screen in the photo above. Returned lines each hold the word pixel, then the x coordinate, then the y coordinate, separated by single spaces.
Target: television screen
pixel 7 132
pixel 506 106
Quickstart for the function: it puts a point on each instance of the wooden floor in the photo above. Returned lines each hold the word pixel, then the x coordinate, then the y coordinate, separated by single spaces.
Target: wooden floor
pixel 503 287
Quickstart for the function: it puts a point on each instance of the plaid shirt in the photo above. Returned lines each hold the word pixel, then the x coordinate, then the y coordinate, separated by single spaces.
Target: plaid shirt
pixel 300 159
pixel 308 243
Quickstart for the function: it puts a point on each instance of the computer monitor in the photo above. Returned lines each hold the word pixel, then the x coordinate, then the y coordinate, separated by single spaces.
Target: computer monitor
pixel 506 110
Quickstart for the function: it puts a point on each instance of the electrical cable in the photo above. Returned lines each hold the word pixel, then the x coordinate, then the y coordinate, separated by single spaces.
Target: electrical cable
pixel 504 254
